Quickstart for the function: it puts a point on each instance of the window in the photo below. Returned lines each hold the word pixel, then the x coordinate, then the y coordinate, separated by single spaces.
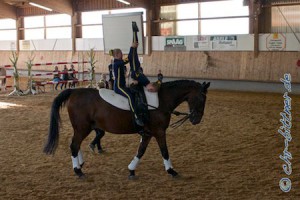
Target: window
pixel 235 8
pixel 34 34
pixel 58 33
pixel 33 22
pixel 285 19
pixel 8 29
pixel 62 24
pixel 225 26
pixel 92 31
pixel 92 24
pixel 58 20
pixel 192 18
pixel 48 27
pixel 8 34
pixel 187 11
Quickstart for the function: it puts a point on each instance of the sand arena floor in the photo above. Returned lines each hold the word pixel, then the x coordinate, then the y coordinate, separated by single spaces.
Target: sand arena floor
pixel 232 154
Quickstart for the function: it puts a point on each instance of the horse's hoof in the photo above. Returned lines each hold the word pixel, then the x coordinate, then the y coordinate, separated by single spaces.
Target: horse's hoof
pixel 173 173
pixel 81 165
pixel 177 176
pixel 132 175
pixel 79 173
pixel 101 151
pixel 82 176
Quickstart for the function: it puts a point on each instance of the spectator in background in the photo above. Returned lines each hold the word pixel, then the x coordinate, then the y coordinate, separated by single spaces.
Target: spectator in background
pixel 72 77
pixel 160 77
pixel 65 77
pixel 56 78
pixel 102 83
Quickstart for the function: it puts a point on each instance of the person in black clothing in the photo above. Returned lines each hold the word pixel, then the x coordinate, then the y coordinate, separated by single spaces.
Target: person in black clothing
pixel 72 76
pixel 135 66
pixel 120 82
pixel 65 77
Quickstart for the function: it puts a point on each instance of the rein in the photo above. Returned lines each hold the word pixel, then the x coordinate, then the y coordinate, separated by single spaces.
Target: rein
pixel 177 113
pixel 181 121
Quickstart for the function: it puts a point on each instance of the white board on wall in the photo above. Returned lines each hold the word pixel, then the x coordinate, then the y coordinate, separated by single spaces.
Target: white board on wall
pixel 117 31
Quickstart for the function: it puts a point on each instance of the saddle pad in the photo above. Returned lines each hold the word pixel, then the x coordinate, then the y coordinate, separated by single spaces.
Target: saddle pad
pixel 121 102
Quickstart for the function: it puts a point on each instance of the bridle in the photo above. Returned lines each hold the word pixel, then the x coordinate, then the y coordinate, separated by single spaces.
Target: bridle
pixel 185 118
pixel 177 113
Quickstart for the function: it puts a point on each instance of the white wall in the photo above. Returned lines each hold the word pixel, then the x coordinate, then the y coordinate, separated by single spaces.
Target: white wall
pixel 8 45
pixel 242 43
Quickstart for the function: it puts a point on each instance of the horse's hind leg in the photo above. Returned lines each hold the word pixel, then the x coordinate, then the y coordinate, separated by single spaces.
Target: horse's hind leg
pixel 142 149
pixel 77 156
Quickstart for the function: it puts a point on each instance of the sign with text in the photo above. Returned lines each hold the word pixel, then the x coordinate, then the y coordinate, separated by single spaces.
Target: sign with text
pixel 223 42
pixel 276 42
pixel 201 42
pixel 25 45
pixel 175 44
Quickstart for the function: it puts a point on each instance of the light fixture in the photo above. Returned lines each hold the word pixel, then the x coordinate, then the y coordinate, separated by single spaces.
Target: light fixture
pixel 40 6
pixel 125 2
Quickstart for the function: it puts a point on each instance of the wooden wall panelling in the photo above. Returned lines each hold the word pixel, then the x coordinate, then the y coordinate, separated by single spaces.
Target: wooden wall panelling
pixel 268 66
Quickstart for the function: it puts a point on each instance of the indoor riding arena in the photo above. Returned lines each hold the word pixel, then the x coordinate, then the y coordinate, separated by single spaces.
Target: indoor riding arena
pixel 225 75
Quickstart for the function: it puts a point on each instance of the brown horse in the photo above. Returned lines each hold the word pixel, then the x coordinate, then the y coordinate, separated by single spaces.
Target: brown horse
pixel 87 111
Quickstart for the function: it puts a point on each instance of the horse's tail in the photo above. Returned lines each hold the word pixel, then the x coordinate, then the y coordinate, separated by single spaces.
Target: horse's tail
pixel 55 121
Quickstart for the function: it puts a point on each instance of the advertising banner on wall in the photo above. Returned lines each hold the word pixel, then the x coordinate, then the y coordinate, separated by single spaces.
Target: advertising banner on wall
pixel 276 42
pixel 223 42
pixel 201 42
pixel 25 45
pixel 175 44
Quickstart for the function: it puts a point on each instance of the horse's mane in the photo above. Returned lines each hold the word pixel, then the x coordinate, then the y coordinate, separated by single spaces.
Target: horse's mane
pixel 184 83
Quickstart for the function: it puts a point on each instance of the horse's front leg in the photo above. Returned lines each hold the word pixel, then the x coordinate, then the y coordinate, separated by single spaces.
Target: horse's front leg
pixel 141 151
pixel 162 143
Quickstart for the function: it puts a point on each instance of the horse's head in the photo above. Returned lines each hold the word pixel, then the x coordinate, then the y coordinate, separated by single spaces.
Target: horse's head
pixel 196 101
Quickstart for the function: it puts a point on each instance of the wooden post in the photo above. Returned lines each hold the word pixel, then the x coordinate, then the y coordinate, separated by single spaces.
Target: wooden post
pixel 20 32
pixel 74 19
pixel 256 10
pixel 149 30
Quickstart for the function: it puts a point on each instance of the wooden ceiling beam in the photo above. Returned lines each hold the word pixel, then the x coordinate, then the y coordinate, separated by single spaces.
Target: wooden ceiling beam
pixel 7 11
pixel 140 3
pixel 61 6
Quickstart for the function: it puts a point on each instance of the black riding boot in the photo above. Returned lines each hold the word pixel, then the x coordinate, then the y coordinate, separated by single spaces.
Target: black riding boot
pixel 138 120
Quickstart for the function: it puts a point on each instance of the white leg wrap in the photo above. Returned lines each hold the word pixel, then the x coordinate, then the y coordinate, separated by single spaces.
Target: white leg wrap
pixel 168 164
pixel 80 157
pixel 134 163
pixel 75 162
